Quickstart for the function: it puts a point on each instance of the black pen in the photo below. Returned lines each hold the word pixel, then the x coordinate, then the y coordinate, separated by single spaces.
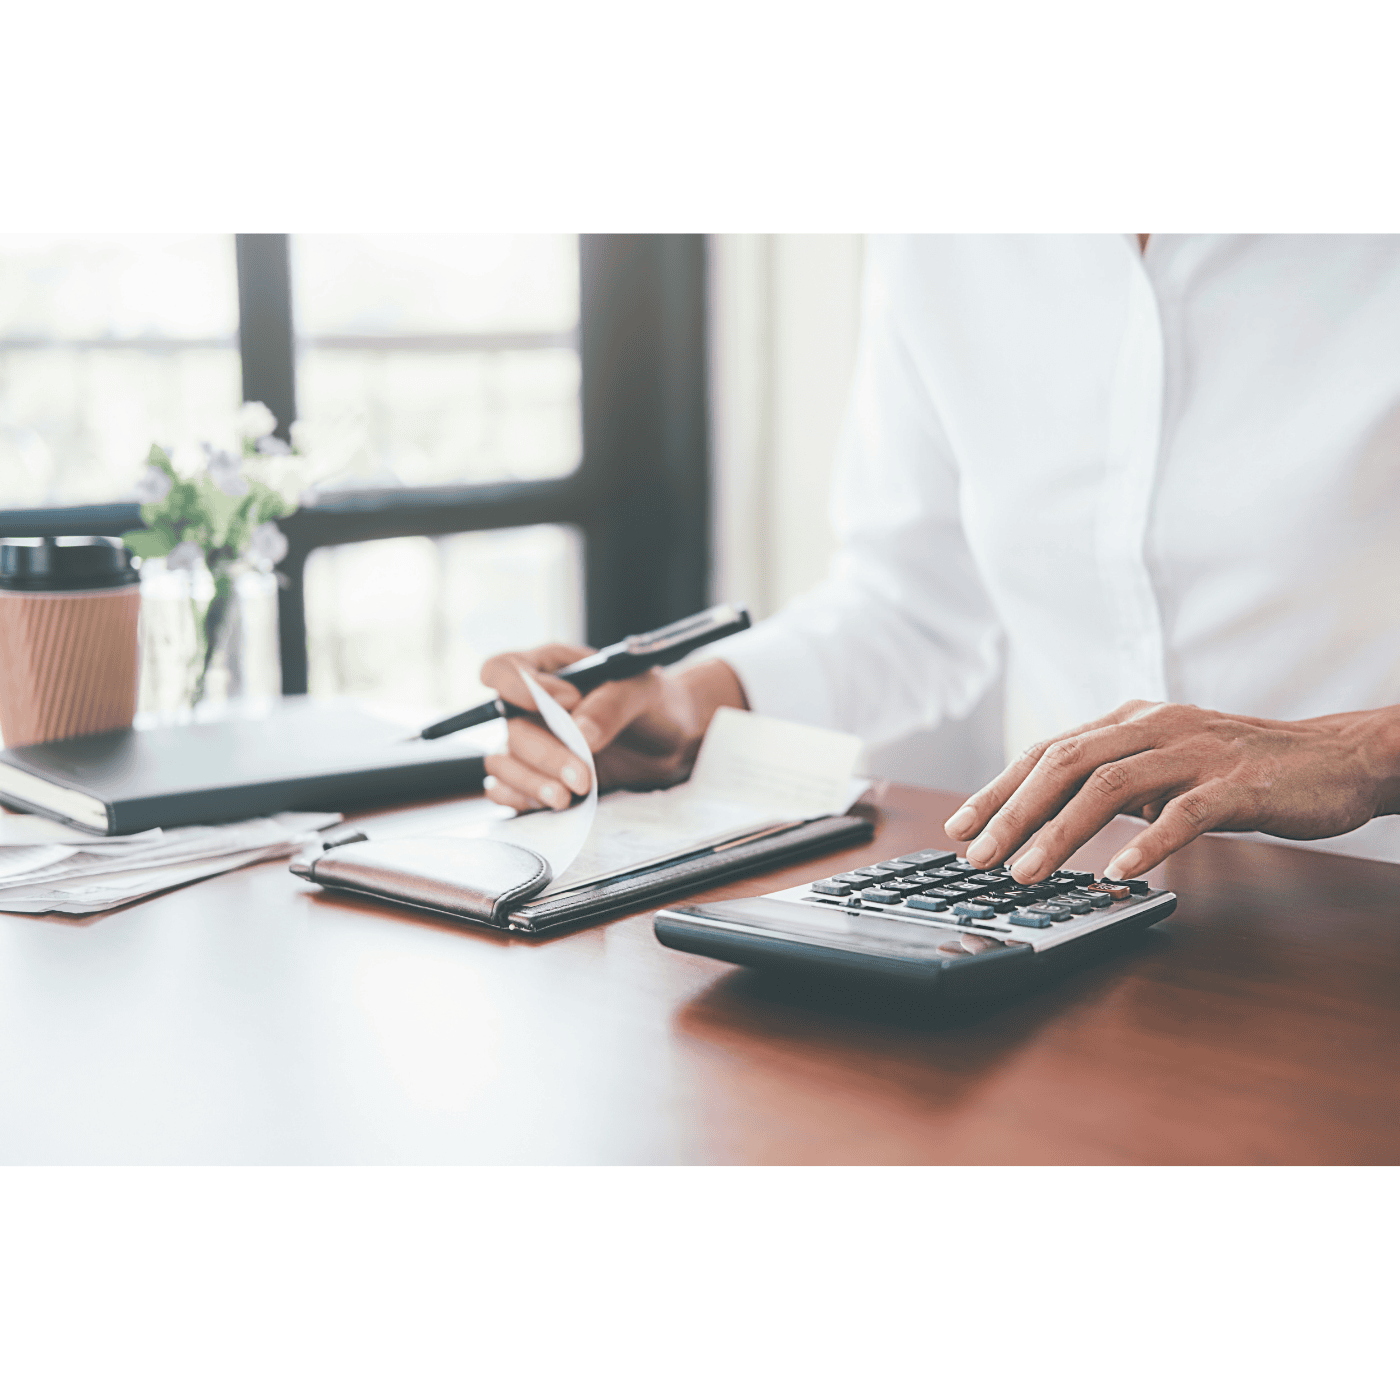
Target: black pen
pixel 629 657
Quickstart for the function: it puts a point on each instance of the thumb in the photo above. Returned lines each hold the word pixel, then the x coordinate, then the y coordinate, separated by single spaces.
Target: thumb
pixel 502 674
pixel 604 713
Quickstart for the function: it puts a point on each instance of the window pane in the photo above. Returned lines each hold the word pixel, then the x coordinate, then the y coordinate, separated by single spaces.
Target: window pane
pixel 408 622
pixel 107 345
pixel 457 355
pixel 431 419
pixel 412 284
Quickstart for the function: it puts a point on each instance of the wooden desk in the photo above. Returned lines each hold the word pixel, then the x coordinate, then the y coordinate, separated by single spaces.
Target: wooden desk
pixel 251 1019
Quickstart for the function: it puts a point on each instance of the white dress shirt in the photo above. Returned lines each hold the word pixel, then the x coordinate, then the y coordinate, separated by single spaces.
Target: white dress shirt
pixel 1171 475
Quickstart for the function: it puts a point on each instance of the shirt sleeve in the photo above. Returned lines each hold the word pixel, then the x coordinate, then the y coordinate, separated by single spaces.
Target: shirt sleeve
pixel 902 633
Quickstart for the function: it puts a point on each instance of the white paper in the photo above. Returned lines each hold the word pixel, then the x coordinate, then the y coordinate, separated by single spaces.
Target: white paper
pixel 753 773
pixel 105 872
pixel 24 829
pixel 557 836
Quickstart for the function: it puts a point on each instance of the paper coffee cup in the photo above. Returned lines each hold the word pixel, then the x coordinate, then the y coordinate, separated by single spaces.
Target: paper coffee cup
pixel 68 613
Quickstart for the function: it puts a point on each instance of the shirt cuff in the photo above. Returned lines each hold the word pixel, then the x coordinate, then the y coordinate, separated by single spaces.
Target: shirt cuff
pixel 779 671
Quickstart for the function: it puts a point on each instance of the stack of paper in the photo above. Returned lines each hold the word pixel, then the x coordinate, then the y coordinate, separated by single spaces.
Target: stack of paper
pixel 753 774
pixel 48 868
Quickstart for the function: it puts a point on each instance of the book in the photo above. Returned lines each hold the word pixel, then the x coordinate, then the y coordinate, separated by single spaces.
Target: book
pixel 306 754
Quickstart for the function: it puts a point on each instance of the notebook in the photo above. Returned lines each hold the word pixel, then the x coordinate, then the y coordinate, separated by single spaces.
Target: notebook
pixel 307 754
pixel 763 790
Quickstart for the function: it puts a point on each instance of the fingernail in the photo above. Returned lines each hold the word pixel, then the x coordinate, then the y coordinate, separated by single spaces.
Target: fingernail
pixel 1029 865
pixel 1127 862
pixel 488 782
pixel 983 848
pixel 549 794
pixel 575 779
pixel 960 823
pixel 590 731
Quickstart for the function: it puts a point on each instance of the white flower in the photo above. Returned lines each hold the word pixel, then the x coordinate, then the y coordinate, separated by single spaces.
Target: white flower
pixel 256 420
pixel 267 543
pixel 188 459
pixel 153 487
pixel 226 471
pixel 186 555
pixel 271 446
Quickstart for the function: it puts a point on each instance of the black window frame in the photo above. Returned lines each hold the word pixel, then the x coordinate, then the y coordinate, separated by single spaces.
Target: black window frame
pixel 640 497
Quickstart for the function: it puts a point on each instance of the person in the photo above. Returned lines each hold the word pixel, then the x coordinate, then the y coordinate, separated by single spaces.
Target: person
pixel 1155 480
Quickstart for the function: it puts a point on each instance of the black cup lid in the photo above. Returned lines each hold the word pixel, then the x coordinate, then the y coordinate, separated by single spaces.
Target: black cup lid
pixel 65 563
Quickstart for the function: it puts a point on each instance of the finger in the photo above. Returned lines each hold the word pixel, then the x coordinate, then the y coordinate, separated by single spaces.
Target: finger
pixel 502 674
pixel 542 788
pixel 1205 808
pixel 603 714
pixel 1124 785
pixel 1062 769
pixel 497 791
pixel 974 814
pixel 538 748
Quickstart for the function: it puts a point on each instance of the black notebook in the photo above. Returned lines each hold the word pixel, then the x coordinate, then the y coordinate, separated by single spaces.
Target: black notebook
pixel 315 756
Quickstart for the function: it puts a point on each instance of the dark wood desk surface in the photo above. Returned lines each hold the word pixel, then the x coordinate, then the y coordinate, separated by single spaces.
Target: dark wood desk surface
pixel 251 1019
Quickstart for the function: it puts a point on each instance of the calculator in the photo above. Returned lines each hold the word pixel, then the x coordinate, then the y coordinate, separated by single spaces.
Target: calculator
pixel 929 921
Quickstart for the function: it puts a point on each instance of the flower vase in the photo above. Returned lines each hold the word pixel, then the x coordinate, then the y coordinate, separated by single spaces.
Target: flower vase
pixel 208 648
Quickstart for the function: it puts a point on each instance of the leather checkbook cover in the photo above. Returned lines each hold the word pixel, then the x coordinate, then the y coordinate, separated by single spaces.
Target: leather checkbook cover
pixel 492 882
pixel 475 879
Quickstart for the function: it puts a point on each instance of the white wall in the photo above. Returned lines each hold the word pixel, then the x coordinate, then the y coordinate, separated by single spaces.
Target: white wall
pixel 784 316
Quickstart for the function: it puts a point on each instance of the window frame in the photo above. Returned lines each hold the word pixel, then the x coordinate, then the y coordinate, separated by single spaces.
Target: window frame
pixel 640 497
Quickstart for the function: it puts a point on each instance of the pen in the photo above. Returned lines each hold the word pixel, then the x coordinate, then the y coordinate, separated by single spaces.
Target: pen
pixel 629 657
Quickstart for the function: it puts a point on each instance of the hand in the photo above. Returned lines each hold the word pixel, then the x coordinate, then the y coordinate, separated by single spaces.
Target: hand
pixel 643 732
pixel 1186 771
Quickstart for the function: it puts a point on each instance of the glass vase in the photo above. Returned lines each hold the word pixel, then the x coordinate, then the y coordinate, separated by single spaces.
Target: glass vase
pixel 207 651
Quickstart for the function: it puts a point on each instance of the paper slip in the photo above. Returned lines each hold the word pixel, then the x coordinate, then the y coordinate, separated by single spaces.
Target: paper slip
pixel 753 772
pixel 560 837
pixel 97 873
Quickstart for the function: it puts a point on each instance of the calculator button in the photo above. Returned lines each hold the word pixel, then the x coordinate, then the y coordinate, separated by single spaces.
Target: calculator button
pixel 1098 899
pixel 830 887
pixel 1050 911
pixel 882 896
pixel 1080 877
pixel 1112 891
pixel 899 867
pixel 928 859
pixel 973 911
pixel 929 902
pixel 856 881
pixel 1026 920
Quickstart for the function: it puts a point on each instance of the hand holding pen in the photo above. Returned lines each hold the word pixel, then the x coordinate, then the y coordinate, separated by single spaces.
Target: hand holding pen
pixel 643 724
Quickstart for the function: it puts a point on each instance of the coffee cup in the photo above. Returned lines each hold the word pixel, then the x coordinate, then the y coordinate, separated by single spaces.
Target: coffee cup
pixel 68 612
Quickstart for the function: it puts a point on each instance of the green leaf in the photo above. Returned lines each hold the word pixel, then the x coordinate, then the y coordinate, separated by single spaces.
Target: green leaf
pixel 159 457
pixel 150 544
pixel 214 509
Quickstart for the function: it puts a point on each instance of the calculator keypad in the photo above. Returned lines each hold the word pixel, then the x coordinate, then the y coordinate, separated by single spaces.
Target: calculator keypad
pixel 980 910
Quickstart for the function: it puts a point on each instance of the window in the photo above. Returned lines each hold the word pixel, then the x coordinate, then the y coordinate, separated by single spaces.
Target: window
pixel 105 346
pixel 550 389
